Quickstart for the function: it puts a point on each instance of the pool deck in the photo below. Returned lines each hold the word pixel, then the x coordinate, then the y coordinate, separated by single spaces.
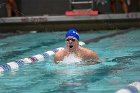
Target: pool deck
pixel 62 22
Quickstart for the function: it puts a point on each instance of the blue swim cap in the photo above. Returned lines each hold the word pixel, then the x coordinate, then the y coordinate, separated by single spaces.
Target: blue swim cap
pixel 72 32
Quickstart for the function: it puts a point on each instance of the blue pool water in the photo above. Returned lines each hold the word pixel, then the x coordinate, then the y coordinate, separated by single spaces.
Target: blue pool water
pixel 122 67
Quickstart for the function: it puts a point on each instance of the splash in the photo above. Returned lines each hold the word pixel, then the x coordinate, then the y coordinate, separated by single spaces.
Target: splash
pixel 71 59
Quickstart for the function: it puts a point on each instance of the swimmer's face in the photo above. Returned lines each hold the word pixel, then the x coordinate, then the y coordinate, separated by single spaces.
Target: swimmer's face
pixel 71 42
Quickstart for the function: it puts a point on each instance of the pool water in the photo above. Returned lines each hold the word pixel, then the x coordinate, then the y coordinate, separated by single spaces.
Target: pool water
pixel 121 69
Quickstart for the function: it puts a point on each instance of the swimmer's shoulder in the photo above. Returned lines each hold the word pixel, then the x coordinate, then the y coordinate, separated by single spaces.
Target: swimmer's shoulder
pixel 58 56
pixel 86 50
pixel 88 54
pixel 59 53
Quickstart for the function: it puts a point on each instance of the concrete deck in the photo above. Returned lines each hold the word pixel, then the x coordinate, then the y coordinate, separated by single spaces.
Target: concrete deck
pixel 60 23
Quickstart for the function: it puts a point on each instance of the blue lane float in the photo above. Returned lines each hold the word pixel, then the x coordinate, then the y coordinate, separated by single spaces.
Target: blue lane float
pixel 15 65
pixel 131 88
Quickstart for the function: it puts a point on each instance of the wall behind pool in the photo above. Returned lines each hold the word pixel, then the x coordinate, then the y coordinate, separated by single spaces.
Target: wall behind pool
pixel 58 7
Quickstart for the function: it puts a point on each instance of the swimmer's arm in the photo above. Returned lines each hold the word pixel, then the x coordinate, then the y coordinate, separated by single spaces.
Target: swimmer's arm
pixel 94 59
pixel 58 57
pixel 94 56
pixel 97 61
pixel 92 62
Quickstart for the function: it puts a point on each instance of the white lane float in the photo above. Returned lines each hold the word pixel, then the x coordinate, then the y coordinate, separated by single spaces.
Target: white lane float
pixel 131 88
pixel 36 58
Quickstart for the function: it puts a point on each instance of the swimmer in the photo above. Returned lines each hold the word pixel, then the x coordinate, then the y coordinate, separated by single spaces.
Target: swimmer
pixel 73 48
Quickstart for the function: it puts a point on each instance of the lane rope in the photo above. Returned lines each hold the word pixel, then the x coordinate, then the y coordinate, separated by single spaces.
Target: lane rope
pixel 131 88
pixel 14 65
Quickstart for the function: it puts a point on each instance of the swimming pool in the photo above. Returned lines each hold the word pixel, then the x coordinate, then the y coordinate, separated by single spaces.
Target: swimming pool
pixel 123 67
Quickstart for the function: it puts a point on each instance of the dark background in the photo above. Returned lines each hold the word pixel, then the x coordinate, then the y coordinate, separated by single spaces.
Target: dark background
pixel 58 7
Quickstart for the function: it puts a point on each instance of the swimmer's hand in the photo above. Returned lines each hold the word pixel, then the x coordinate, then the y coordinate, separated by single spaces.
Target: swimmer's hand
pixel 97 61
pixel 102 60
pixel 92 63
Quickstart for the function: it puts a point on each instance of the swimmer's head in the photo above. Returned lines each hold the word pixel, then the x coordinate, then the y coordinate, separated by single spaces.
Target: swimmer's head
pixel 72 32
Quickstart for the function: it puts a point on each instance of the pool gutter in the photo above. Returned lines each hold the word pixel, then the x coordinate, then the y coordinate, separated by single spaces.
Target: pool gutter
pixel 62 23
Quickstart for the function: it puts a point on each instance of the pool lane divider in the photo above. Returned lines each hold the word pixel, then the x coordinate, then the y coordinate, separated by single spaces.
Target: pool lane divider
pixel 14 65
pixel 131 88
pixel 108 36
pixel 40 57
